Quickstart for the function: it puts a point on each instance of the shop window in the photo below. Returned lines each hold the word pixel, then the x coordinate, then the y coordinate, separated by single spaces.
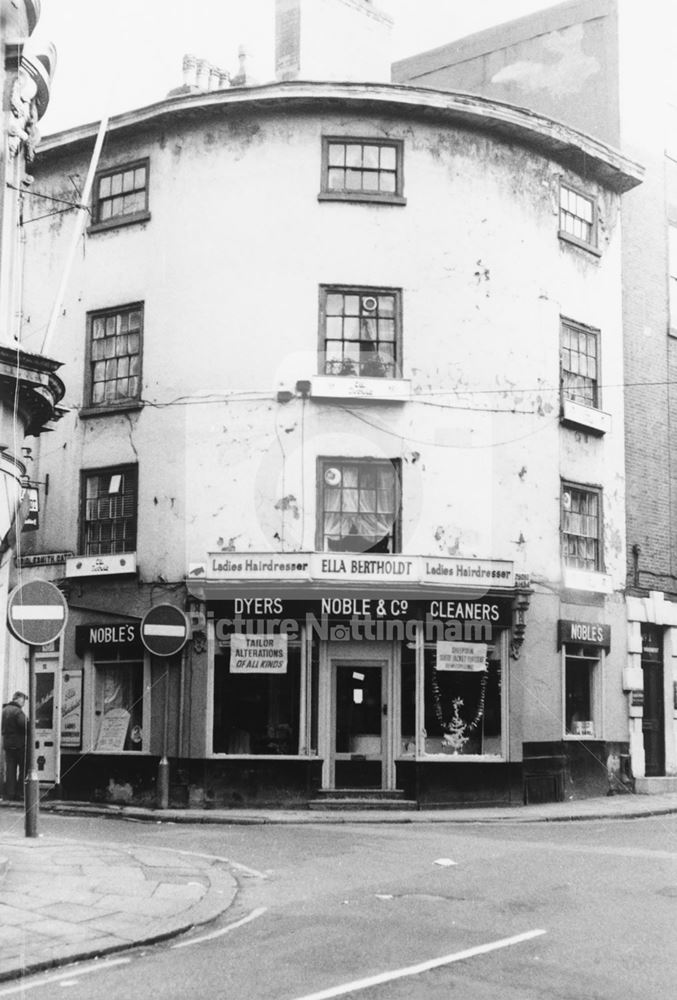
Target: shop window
pixel 109 511
pixel 113 372
pixel 120 195
pixel 577 217
pixel 119 707
pixel 359 505
pixel 360 332
pixel 582 672
pixel 362 170
pixel 257 713
pixel 463 715
pixel 582 527
pixel 579 354
pixel 408 701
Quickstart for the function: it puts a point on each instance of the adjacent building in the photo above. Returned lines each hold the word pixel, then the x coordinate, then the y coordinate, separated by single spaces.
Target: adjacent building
pixel 30 389
pixel 607 67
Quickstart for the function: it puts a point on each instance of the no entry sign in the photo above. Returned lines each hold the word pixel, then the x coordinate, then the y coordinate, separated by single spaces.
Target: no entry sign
pixel 36 612
pixel 164 630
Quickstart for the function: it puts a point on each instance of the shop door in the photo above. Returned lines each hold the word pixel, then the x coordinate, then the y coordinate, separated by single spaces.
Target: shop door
pixel 653 728
pixel 46 733
pixel 361 714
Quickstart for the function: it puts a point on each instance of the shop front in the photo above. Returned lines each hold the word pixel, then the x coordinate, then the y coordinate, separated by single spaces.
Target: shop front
pixel 385 676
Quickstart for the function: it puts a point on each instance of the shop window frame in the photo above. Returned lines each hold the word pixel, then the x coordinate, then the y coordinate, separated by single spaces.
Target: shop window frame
pixel 498 651
pixel 577 653
pixel 90 727
pixel 305 742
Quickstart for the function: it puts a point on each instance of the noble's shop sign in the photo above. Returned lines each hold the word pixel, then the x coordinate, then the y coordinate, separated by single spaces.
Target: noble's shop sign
pixel 583 633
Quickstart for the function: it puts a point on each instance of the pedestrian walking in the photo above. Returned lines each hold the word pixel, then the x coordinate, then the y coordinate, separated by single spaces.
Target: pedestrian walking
pixel 14 724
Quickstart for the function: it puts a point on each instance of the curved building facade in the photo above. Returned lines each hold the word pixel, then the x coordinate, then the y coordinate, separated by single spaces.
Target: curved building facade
pixel 346 387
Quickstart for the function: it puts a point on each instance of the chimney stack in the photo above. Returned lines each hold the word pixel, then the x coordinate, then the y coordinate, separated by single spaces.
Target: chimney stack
pixel 346 40
pixel 200 76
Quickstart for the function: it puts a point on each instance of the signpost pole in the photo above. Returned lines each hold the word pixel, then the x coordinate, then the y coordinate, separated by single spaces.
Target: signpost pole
pixel 32 785
pixel 163 766
pixel 164 633
pixel 36 615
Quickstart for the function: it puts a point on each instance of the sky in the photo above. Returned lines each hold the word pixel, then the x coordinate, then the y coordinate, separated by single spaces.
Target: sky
pixel 114 55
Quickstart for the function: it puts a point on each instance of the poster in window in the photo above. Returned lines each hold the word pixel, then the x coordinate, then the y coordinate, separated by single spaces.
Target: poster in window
pixel 71 709
pixel 468 657
pixel 258 654
pixel 113 732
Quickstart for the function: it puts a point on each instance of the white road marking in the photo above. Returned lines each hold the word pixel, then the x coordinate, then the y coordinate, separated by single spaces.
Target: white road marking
pixel 70 975
pixel 416 970
pixel 223 930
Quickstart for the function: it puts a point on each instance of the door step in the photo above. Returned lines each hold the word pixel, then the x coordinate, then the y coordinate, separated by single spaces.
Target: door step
pixel 654 786
pixel 360 798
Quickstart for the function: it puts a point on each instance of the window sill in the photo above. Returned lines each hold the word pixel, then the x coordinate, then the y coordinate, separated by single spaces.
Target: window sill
pixel 391 390
pixel 116 223
pixel 581 579
pixel 357 197
pixel 110 409
pixel 101 566
pixel 574 738
pixel 581 244
pixel 263 756
pixel 583 417
pixel 457 758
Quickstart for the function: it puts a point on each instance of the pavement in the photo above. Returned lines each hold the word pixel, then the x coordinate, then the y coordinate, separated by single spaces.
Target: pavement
pixel 66 901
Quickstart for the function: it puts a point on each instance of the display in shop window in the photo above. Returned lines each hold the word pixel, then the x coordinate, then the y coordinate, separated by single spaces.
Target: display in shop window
pixel 462 703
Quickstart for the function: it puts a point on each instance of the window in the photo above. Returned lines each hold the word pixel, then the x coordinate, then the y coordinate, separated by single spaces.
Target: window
pixel 362 170
pixel 463 709
pixel 577 220
pixel 581 527
pixel 113 375
pixel 257 713
pixel 672 274
pixel 121 195
pixel 582 671
pixel 359 505
pixel 110 505
pixel 119 706
pixel 360 332
pixel 579 355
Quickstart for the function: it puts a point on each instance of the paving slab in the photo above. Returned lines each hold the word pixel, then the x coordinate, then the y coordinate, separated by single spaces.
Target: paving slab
pixel 53 914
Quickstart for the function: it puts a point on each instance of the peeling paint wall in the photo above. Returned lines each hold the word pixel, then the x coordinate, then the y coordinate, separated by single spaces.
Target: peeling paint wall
pixel 228 268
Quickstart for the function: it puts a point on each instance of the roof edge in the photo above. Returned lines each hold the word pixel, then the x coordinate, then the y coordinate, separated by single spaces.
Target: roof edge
pixel 582 152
